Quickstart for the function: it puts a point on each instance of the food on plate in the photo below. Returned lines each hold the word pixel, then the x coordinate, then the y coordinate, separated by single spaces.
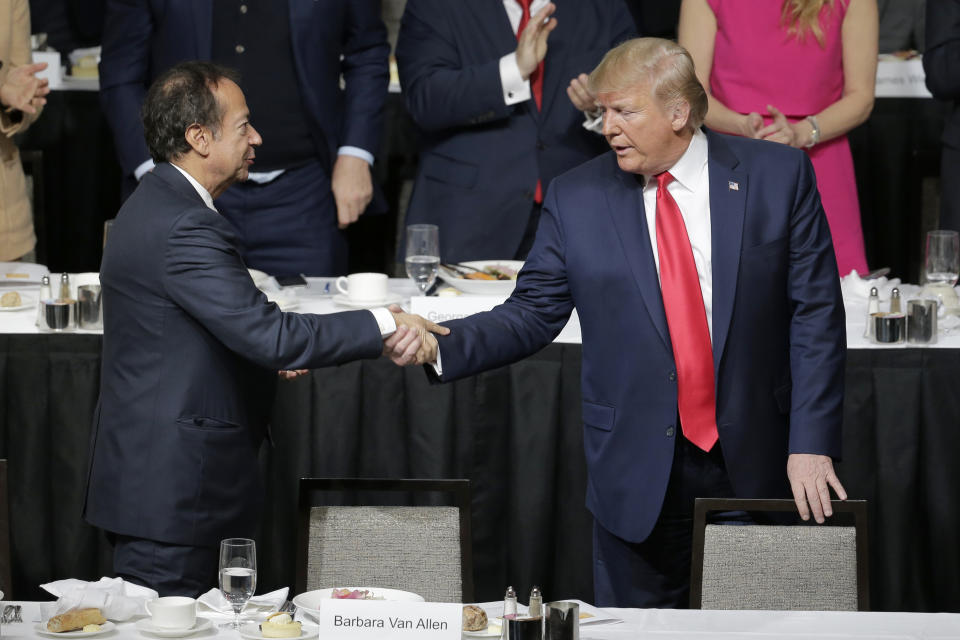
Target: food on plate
pixel 474 618
pixel 10 299
pixel 280 625
pixel 489 272
pixel 75 619
pixel 355 594
pixel 584 615
pixel 479 275
pixel 91 628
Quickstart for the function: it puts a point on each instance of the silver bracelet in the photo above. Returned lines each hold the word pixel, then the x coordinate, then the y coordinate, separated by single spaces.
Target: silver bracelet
pixel 815 135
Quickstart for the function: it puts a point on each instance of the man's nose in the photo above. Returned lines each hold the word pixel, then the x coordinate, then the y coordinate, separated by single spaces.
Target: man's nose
pixel 255 138
pixel 607 125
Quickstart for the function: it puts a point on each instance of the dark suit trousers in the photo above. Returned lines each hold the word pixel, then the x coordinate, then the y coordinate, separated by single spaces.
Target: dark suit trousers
pixel 169 569
pixel 289 225
pixel 655 573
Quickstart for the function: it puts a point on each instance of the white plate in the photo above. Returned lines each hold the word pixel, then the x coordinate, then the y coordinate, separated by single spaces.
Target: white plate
pixel 482 287
pixel 344 301
pixel 145 625
pixel 310 601
pixel 492 631
pixel 27 301
pixel 106 627
pixel 251 630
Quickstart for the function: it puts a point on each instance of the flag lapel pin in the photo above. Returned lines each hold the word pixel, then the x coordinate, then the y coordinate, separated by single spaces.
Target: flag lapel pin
pixel 733 186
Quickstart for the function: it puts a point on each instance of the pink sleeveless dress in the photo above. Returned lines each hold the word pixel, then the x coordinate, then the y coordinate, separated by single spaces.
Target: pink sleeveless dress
pixel 756 62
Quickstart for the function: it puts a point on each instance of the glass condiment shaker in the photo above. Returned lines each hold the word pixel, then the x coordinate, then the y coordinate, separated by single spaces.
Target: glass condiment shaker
pixel 64 286
pixel 895 301
pixel 510 604
pixel 536 603
pixel 873 306
pixel 45 294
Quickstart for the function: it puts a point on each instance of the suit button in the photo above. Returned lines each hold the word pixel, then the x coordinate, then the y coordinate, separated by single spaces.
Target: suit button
pixel 673 376
pixel 540 145
pixel 239 48
pixel 670 432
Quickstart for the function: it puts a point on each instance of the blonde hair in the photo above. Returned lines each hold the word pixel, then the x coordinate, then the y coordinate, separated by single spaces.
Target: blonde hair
pixel 664 64
pixel 803 16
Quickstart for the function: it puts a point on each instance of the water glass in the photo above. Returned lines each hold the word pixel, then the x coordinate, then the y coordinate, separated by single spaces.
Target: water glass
pixel 423 254
pixel 238 574
pixel 941 263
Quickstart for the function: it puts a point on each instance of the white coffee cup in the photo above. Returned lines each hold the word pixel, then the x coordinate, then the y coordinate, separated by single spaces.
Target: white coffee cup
pixel 173 612
pixel 363 287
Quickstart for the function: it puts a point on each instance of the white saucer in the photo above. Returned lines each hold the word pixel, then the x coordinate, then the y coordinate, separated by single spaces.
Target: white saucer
pixel 27 301
pixel 344 301
pixel 251 631
pixel 106 627
pixel 145 625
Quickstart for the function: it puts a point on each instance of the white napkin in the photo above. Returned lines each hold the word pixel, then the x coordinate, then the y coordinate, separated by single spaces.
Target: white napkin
pixel 853 286
pixel 117 600
pixel 214 601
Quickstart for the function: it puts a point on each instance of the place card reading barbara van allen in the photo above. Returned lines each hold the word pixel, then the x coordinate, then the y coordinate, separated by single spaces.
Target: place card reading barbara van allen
pixel 387 620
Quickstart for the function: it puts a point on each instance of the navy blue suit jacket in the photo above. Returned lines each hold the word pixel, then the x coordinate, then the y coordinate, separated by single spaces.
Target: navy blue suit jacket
pixel 480 158
pixel 779 342
pixel 191 350
pixel 144 38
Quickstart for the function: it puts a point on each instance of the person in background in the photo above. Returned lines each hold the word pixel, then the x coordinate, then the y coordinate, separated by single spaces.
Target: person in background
pixel 22 96
pixel 191 347
pixel 314 177
pixel 714 339
pixel 798 72
pixel 901 25
pixel 69 24
pixel 941 63
pixel 498 90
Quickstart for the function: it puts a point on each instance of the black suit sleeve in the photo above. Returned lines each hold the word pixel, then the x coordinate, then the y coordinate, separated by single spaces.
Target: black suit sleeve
pixel 941 59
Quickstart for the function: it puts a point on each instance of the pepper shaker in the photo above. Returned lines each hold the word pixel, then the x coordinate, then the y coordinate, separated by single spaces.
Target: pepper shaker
pixel 873 306
pixel 895 301
pixel 45 294
pixel 536 602
pixel 64 287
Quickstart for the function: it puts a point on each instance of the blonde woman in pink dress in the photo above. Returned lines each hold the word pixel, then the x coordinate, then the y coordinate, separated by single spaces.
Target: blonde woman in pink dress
pixel 798 72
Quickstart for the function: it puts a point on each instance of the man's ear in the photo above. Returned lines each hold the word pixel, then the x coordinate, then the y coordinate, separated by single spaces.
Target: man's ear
pixel 680 115
pixel 199 138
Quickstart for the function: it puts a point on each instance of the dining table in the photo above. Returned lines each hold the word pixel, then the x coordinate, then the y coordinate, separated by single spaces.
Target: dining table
pixel 515 432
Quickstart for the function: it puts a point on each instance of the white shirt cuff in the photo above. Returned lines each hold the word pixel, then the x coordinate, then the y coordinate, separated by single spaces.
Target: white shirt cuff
pixel 143 168
pixel 515 88
pixel 385 321
pixel 437 366
pixel 593 121
pixel 356 152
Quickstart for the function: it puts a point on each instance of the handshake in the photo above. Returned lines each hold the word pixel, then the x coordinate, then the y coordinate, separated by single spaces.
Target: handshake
pixel 413 341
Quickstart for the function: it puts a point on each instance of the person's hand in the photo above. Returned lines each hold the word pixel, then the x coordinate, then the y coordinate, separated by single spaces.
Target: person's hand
pixel 402 346
pixel 811 477
pixel 291 374
pixel 580 95
pixel 23 90
pixel 532 43
pixel 426 351
pixel 352 188
pixel 752 124
pixel 780 130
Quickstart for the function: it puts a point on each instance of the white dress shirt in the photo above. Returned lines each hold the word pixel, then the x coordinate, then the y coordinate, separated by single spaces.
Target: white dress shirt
pixel 690 188
pixel 382 315
pixel 515 88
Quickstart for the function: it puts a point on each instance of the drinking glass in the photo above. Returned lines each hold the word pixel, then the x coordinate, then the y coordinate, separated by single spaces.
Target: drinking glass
pixel 238 574
pixel 941 263
pixel 423 254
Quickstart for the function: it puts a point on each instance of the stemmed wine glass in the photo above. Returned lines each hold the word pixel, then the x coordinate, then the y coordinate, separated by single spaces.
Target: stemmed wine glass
pixel 423 254
pixel 941 265
pixel 238 574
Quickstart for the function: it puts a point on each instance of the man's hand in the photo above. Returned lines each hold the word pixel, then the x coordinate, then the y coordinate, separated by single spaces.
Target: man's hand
pixel 23 90
pixel 580 94
pixel 291 374
pixel 532 44
pixel 810 477
pixel 352 188
pixel 399 348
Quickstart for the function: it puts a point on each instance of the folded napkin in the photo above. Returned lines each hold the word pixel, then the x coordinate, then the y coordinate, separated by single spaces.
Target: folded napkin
pixel 214 601
pixel 117 600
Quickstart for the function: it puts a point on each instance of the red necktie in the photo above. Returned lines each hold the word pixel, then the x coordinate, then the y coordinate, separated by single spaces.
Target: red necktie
pixel 687 320
pixel 536 78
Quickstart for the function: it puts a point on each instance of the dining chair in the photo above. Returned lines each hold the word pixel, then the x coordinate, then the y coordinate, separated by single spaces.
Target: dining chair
pixel 786 567
pixel 6 580
pixel 407 534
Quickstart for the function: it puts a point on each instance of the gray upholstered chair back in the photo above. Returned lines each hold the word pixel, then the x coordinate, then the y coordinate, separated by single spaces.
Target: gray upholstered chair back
pixel 410 548
pixel 791 567
pixel 782 568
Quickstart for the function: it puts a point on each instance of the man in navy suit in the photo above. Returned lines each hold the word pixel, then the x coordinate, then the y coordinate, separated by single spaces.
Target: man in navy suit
pixel 702 270
pixel 943 81
pixel 500 116
pixel 191 348
pixel 313 177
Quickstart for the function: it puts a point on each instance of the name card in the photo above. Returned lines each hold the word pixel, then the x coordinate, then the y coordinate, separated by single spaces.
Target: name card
pixel 901 79
pixel 388 620
pixel 438 309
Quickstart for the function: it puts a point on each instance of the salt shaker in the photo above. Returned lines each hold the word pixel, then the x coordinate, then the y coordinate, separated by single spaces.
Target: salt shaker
pixel 510 604
pixel 536 602
pixel 895 301
pixel 45 294
pixel 873 306
pixel 64 287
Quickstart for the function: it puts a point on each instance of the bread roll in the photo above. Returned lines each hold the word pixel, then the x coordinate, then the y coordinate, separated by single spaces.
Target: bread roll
pixel 10 299
pixel 75 619
pixel 474 618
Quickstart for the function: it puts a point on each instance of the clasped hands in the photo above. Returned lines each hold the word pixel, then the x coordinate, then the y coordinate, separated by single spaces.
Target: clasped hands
pixel 795 134
pixel 22 90
pixel 413 341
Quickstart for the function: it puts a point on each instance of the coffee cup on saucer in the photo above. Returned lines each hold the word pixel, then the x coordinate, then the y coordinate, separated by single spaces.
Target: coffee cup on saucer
pixel 172 613
pixel 363 288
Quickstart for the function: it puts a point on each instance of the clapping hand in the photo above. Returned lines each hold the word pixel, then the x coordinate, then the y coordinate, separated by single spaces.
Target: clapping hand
pixel 532 43
pixel 24 91
pixel 580 95
pixel 413 341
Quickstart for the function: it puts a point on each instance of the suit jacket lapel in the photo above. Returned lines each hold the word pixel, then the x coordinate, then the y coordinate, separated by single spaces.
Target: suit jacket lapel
pixel 625 202
pixel 728 197
pixel 169 174
pixel 203 26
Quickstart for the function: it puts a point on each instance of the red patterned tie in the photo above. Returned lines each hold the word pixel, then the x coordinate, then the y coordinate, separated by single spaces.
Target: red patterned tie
pixel 687 320
pixel 536 78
